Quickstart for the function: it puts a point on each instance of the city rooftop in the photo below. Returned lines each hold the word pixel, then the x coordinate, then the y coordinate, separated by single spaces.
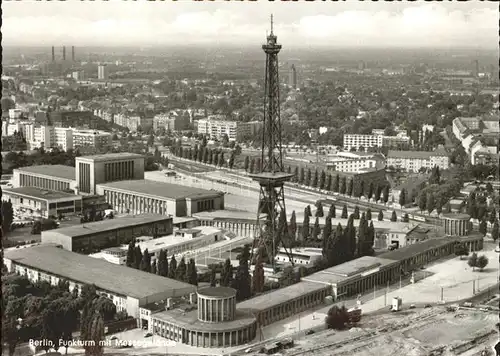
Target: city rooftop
pixel 42 194
pixel 51 170
pixel 114 278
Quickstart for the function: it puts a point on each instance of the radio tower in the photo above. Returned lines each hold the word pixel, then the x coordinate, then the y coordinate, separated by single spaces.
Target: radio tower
pixel 271 176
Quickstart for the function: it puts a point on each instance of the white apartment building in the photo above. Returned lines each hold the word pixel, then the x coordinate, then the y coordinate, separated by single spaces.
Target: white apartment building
pixel 78 75
pixel 357 140
pixel 49 136
pixel 91 138
pixel 216 129
pixel 10 127
pixel 102 72
pixel 413 161
pixel 15 113
pixel 304 256
pixel 356 164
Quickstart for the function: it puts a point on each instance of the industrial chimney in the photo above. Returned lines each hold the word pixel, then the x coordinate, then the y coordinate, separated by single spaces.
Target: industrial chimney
pixel 73 53
pixel 64 53
pixel 53 54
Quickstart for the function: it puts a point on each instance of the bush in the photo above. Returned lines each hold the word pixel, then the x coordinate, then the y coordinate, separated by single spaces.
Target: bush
pixel 337 318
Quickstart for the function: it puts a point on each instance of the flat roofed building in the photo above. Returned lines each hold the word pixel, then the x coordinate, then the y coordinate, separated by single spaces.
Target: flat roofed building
pixel 147 196
pixel 241 223
pixel 100 140
pixel 46 203
pixel 302 256
pixel 97 169
pixel 356 276
pixel 413 161
pixel 128 288
pixel 285 302
pixel 365 141
pixel 96 236
pixel 53 177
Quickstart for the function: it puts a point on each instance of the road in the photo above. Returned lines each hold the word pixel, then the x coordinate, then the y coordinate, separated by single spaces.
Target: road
pixel 293 192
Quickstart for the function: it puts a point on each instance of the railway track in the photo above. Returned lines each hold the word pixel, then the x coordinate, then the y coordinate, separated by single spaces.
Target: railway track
pixel 371 335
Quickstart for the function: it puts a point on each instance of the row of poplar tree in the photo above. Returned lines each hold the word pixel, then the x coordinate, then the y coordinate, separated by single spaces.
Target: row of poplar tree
pixel 204 154
pixel 181 271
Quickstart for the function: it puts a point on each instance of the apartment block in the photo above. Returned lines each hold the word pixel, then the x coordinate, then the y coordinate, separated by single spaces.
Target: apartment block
pixel 91 138
pixel 216 129
pixel 357 141
pixel 413 161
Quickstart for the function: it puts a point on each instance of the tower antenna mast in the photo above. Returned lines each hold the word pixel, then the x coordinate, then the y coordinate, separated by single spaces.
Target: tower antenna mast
pixel 272 232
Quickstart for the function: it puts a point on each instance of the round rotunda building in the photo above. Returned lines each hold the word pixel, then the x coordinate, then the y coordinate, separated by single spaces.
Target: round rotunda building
pixel 214 323
pixel 456 224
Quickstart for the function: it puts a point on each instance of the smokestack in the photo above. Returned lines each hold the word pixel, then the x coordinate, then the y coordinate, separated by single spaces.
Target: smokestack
pixel 64 53
pixel 53 54
pixel 73 53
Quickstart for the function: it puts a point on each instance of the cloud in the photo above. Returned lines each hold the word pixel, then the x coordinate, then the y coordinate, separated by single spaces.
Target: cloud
pixel 150 23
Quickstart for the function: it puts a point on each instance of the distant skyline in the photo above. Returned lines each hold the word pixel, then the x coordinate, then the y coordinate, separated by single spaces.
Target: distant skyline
pixel 337 24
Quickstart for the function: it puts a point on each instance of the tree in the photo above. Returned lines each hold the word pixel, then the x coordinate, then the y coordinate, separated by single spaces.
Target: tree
pixel 154 268
pixel 406 218
pixel 180 272
pixel 422 201
pixel 308 211
pixel 369 214
pixel 435 176
pixel 242 280
pixel 356 212
pixel 308 180
pixel 213 277
pixel 343 185
pixel 292 226
pixel 130 254
pixel 483 227
pixel 322 180
pixel 246 164
pixel 336 184
pixel 319 209
pixel 461 250
pixel 192 273
pixel 430 203
pixel 252 166
pixel 344 212
pixel 315 179
pixel 482 262
pixel 327 231
pixel 386 194
pixel 349 188
pixel 258 278
pixel 172 268
pixel 305 225
pixel 162 264
pixel 331 212
pixel 378 192
pixel 394 217
pixel 337 318
pixel 494 231
pixel 328 183
pixel 146 261
pixel 226 274
pixel 369 192
pixel 472 262
pixel 316 230
pixel 295 177
pixel 402 197
pixel 137 257
pixel 302 176
pixel 8 215
pixel 380 216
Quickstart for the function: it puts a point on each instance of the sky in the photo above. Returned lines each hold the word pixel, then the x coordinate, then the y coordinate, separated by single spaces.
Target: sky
pixel 323 23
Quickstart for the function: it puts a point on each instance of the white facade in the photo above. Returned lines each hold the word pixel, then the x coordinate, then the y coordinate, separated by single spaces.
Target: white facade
pixel 102 72
pixel 356 164
pixel 63 138
pixel 15 113
pixel 216 129
pixel 413 161
pixel 356 141
pixel 91 138
pixel 305 256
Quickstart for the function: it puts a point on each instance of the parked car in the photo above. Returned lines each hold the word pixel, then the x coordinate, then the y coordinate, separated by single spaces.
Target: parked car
pixel 148 334
pixel 428 306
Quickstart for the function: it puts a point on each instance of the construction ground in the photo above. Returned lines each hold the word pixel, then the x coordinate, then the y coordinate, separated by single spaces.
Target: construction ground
pixel 433 331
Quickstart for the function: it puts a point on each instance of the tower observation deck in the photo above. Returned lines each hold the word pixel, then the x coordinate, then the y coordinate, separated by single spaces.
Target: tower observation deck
pixel 271 176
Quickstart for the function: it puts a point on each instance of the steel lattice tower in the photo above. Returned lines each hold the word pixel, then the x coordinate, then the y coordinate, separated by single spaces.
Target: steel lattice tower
pixel 271 176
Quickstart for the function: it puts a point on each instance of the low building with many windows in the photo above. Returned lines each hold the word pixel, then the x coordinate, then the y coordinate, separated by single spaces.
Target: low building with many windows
pixel 44 203
pixel 147 196
pixel 50 177
pixel 413 161
pixel 96 236
pixel 128 288
pixel 100 140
